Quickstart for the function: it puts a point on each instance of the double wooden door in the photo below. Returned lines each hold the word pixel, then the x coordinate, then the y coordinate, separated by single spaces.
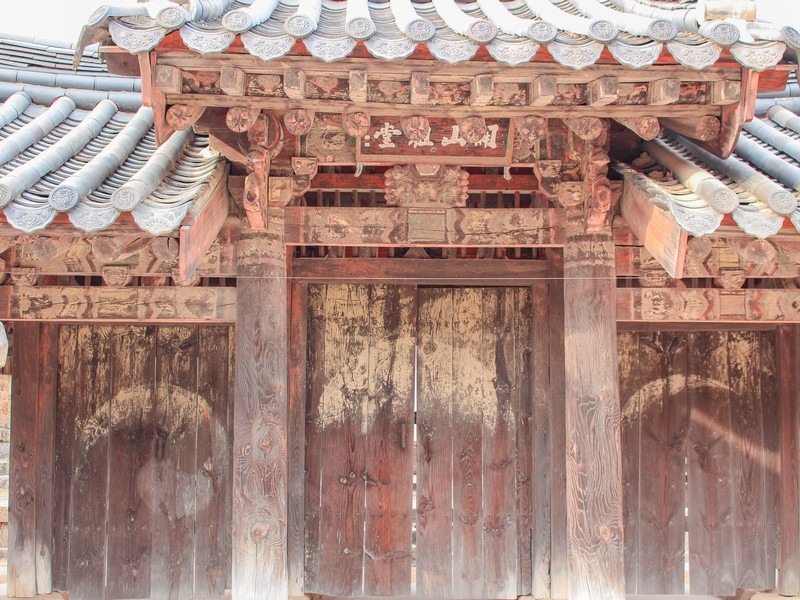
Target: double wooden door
pixel 418 435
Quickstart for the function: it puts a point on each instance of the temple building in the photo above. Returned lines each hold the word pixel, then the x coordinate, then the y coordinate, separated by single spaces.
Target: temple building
pixel 404 299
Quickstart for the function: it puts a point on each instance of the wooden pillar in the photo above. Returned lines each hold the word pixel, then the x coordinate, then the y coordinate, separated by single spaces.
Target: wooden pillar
pixel 33 409
pixel 593 463
pixel 260 417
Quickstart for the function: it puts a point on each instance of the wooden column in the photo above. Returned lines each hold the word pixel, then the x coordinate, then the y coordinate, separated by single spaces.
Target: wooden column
pixel 33 409
pixel 593 470
pixel 260 417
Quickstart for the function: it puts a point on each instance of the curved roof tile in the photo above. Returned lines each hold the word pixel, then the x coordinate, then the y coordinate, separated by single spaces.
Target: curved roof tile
pixel 574 31
pixel 759 184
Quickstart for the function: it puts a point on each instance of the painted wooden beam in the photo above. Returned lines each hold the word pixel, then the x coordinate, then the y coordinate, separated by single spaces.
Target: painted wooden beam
pixel 201 227
pixel 519 182
pixel 260 477
pixel 596 554
pixel 387 109
pixel 353 226
pixel 420 271
pixel 708 305
pixel 107 304
pixel 653 226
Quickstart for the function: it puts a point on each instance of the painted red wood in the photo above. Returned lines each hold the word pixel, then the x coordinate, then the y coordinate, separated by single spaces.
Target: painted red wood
pixel 470 394
pixel 630 393
pixel 788 348
pixel 747 437
pixel 435 382
pixel 22 489
pixel 662 479
pixel 342 407
pixel 212 464
pixel 131 452
pixel 174 474
pixel 65 423
pixel 390 443
pixel 45 448
pixel 531 362
pixel 87 558
pixel 710 499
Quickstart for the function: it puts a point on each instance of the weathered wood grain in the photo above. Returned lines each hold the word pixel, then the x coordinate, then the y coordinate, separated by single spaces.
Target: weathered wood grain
pixel 710 305
pixel 44 453
pixel 500 553
pixel 630 400
pixel 212 463
pixel 313 454
pixel 436 378
pixel 343 413
pixel 559 575
pixel 101 304
pixel 532 340
pixel 297 488
pixel 471 397
pixel 131 446
pixel 389 444
pixel 23 462
pixel 88 544
pixel 65 435
pixel 748 460
pixel 419 270
pixel 788 349
pixel 354 226
pixel 174 463
pixel 594 490
pixel 770 397
pixel 662 479
pixel 710 494
pixel 655 227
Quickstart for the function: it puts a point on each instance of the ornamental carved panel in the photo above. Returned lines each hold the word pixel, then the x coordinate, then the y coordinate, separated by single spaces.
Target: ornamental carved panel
pixel 426 186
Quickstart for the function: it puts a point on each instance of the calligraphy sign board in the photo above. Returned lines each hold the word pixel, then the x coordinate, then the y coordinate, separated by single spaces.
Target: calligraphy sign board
pixel 444 143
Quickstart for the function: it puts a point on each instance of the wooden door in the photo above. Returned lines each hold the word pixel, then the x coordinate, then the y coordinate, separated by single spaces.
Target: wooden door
pixel 433 510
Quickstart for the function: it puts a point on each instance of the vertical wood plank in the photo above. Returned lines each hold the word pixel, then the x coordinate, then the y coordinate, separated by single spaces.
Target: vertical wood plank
pixel 343 407
pixel 630 401
pixel 212 463
pixel 174 475
pixel 531 330
pixel 313 453
pixel 771 454
pixel 710 499
pixel 594 490
pixel 499 521
pixel 389 458
pixel 298 352
pixel 260 510
pixel 472 400
pixel 87 557
pixel 45 447
pixel 65 441
pixel 22 488
pixel 788 354
pixel 559 576
pixel 229 429
pixel 435 360
pixel 748 459
pixel 131 444
pixel 664 413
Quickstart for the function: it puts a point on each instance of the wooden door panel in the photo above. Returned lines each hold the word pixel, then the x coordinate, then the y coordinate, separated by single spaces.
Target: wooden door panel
pixel 472 383
pixel 361 383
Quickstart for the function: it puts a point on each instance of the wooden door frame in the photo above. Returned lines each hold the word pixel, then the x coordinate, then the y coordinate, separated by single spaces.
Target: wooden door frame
pixel 539 275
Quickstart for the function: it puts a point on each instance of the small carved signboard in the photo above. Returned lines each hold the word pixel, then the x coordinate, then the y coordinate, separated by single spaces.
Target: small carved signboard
pixel 443 141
